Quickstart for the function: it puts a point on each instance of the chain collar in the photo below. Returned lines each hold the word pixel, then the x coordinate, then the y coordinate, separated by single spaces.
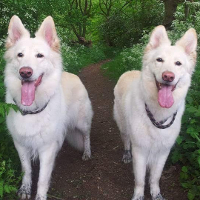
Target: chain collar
pixel 160 123
pixel 24 112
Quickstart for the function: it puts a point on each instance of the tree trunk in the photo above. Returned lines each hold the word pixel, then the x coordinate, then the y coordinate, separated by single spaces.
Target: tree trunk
pixel 170 9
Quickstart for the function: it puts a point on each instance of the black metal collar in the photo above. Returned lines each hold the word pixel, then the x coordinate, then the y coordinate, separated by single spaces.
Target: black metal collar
pixel 27 112
pixel 159 124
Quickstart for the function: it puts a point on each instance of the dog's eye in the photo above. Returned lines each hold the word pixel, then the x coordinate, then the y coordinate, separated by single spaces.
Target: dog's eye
pixel 160 60
pixel 39 55
pixel 178 63
pixel 20 54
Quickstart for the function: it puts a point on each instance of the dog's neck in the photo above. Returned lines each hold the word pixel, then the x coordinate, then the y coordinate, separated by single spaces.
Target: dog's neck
pixel 159 124
pixel 31 112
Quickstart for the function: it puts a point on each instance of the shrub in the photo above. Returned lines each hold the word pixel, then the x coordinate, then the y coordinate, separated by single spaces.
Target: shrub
pixel 187 148
pixel 128 59
pixel 75 58
pixel 124 26
pixel 9 162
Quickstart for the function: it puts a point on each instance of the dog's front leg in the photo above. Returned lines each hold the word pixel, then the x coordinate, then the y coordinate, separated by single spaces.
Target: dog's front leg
pixel 47 156
pixel 139 168
pixel 156 167
pixel 87 150
pixel 25 190
pixel 127 157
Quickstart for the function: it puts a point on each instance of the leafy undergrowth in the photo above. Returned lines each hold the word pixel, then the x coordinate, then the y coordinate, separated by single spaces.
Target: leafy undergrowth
pixel 187 149
pixel 9 163
pixel 126 60
pixel 75 58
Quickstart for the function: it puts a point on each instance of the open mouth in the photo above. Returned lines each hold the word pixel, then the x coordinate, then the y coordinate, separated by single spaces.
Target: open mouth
pixel 165 96
pixel 28 90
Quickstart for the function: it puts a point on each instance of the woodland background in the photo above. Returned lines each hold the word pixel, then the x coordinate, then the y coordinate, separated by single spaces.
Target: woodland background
pixel 94 30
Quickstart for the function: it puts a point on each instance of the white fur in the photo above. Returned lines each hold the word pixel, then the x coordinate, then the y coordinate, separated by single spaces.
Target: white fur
pixel 68 113
pixel 150 145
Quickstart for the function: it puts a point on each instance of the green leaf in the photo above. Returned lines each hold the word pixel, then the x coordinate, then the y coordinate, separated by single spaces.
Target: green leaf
pixel 191 109
pixel 185 185
pixel 198 159
pixel 179 140
pixel 185 169
pixel 191 195
pixel 1 188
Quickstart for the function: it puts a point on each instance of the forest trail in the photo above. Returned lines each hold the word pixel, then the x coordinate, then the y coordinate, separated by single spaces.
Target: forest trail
pixel 104 177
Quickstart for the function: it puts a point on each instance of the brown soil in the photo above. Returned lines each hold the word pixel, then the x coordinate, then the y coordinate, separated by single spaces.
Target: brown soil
pixel 104 177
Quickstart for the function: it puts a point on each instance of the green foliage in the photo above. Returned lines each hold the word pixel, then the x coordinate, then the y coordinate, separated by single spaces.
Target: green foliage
pixel 187 149
pixel 128 59
pixel 75 58
pixel 182 23
pixel 122 26
pixel 9 162
pixel 127 20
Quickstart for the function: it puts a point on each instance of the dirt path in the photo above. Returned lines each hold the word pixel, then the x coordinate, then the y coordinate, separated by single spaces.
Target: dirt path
pixel 104 177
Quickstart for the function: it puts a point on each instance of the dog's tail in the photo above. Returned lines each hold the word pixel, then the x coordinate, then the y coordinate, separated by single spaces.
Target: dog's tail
pixel 75 139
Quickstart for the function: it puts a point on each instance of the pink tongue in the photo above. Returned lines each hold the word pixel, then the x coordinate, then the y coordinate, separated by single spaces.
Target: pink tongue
pixel 165 97
pixel 28 93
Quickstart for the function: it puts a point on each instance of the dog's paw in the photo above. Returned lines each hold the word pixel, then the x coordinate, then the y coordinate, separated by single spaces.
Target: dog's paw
pixel 24 192
pixel 86 155
pixel 127 157
pixel 138 198
pixel 40 197
pixel 158 197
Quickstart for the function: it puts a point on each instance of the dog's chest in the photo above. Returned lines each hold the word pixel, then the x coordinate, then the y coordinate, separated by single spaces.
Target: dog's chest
pixel 35 129
pixel 146 135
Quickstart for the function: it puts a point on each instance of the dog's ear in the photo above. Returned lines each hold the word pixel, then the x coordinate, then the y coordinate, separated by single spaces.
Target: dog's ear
pixel 16 31
pixel 189 41
pixel 47 31
pixel 157 38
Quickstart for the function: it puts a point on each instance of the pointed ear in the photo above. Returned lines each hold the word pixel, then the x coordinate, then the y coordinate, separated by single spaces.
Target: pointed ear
pixel 189 41
pixel 157 38
pixel 16 31
pixel 47 31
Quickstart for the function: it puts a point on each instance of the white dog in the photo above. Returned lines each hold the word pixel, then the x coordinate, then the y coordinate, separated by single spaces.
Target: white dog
pixel 52 103
pixel 149 105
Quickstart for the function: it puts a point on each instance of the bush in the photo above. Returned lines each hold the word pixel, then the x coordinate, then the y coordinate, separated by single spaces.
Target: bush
pixel 124 26
pixel 128 59
pixel 75 58
pixel 9 162
pixel 187 148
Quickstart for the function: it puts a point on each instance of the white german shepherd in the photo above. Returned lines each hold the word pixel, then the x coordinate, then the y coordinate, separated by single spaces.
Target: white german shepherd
pixel 149 105
pixel 52 103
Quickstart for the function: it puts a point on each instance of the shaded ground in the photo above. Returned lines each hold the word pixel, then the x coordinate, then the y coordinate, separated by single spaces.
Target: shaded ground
pixel 104 177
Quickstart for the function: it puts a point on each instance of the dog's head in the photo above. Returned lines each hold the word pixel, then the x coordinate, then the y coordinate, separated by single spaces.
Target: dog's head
pixel 167 69
pixel 31 61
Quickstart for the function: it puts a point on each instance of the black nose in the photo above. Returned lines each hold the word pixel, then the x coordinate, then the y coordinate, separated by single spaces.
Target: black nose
pixel 25 72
